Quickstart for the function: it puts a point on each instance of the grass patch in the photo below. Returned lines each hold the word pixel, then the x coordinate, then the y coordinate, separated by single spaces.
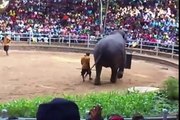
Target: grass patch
pixel 125 104
pixel 171 88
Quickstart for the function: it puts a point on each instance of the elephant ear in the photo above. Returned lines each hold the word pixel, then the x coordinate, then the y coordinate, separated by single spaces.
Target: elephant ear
pixel 124 35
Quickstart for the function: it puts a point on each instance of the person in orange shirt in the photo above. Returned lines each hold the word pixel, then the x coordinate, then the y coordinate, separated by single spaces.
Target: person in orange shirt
pixel 86 70
pixel 5 42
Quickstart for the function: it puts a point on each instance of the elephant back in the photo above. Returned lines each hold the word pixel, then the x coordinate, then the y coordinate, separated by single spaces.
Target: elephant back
pixel 121 32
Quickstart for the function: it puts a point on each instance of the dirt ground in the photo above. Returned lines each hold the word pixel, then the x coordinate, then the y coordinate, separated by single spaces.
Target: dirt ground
pixel 27 74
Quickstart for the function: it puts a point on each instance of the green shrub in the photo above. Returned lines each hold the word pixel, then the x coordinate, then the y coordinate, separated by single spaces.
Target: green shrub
pixel 171 88
pixel 125 104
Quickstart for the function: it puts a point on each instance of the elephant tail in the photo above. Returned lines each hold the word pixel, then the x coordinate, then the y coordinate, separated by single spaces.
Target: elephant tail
pixel 98 59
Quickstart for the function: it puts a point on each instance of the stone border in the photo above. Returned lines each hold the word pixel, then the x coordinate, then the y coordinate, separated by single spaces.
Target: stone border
pixel 54 48
pixel 160 60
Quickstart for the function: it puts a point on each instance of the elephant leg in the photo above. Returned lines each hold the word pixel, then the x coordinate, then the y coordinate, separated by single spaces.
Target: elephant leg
pixel 120 72
pixel 98 74
pixel 113 74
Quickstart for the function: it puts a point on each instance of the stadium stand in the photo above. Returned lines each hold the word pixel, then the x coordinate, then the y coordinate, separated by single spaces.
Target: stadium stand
pixel 152 21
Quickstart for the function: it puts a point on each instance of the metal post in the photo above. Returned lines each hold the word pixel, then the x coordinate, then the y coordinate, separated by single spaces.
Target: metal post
pixel 141 46
pixel 50 39
pixel 165 114
pixel 30 37
pixel 157 49
pixel 15 38
pixel 88 41
pixel 107 6
pixel 59 38
pixel 101 19
pixel 4 113
pixel 172 53
pixel 69 40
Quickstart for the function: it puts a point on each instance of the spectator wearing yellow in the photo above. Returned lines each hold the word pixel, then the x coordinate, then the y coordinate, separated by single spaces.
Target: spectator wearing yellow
pixel 6 42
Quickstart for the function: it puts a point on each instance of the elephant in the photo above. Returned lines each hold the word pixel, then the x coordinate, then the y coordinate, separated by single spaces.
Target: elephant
pixel 110 52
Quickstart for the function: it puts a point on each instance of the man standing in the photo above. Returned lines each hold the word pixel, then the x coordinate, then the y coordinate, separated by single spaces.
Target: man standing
pixel 5 42
pixel 86 70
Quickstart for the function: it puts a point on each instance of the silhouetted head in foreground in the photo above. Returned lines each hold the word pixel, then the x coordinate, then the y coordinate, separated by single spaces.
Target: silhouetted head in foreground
pixel 137 116
pixel 58 109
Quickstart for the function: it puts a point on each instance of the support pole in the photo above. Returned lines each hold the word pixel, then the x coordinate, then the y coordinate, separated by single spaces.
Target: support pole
pixel 101 19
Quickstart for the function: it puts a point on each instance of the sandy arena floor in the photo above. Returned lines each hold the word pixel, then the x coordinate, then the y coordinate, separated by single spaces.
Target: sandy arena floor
pixel 32 73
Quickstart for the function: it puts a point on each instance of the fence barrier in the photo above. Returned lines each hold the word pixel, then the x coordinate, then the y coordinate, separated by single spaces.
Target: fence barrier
pixel 141 46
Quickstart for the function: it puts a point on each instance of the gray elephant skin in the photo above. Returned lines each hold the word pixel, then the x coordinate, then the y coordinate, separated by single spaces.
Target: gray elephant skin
pixel 110 52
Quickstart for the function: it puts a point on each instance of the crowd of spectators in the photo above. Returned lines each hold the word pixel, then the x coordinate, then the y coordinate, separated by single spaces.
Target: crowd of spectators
pixel 151 20
pixel 63 109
